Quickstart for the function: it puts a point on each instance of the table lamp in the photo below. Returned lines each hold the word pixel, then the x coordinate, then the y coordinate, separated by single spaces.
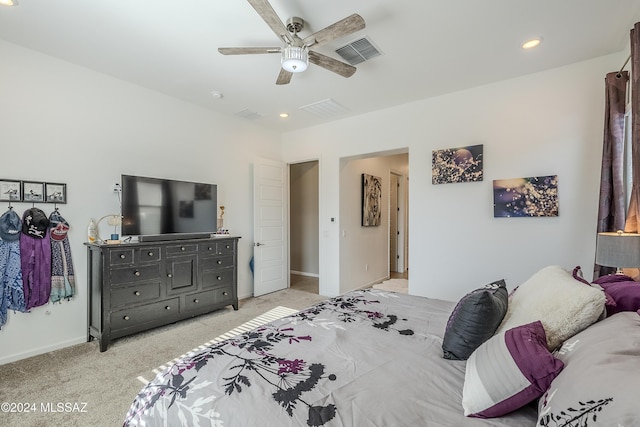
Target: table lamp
pixel 618 249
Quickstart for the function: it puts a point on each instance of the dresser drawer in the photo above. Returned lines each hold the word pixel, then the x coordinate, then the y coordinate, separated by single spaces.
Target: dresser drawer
pixel 218 262
pixel 135 274
pixel 148 254
pixel 203 300
pixel 225 247
pixel 121 256
pixel 211 278
pixel 134 295
pixel 183 249
pixel 158 311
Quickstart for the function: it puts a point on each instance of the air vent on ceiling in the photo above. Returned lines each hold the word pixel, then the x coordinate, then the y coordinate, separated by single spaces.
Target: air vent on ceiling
pixel 358 51
pixel 325 108
pixel 248 114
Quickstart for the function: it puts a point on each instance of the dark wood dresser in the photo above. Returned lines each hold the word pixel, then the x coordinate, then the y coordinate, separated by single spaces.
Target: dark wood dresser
pixel 134 287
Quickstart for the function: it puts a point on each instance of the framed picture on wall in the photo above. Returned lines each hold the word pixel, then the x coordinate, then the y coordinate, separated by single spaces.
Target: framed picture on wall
pixel 10 191
pixel 371 200
pixel 460 164
pixel 33 191
pixel 525 197
pixel 55 193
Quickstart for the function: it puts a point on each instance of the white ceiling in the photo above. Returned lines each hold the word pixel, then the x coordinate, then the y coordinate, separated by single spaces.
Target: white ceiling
pixel 429 47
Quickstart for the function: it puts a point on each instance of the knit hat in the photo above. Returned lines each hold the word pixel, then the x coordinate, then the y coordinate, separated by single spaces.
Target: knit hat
pixel 59 226
pixel 10 226
pixel 35 223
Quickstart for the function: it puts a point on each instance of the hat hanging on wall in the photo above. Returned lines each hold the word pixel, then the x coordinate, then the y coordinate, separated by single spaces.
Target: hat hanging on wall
pixel 35 223
pixel 10 226
pixel 59 226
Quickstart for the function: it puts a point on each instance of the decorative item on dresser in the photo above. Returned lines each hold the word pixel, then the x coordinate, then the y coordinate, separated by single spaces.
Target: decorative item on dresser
pixel 134 287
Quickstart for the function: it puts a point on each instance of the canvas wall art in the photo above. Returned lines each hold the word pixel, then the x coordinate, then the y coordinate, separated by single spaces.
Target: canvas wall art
pixel 371 200
pixel 525 197
pixel 461 164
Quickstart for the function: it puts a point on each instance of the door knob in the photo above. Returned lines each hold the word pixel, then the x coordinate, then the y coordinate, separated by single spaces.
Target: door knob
pixel 259 244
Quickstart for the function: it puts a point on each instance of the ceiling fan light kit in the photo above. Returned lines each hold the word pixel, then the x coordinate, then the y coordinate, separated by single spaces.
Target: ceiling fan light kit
pixel 295 59
pixel 296 52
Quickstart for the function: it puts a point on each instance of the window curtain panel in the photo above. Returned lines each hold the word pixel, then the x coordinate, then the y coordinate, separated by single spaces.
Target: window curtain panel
pixel 633 217
pixel 611 208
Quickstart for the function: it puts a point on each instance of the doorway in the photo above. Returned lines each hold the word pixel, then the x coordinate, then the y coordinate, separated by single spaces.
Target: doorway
pixel 304 252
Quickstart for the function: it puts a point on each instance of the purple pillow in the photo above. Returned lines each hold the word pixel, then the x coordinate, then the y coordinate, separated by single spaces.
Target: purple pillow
pixel 508 371
pixel 626 295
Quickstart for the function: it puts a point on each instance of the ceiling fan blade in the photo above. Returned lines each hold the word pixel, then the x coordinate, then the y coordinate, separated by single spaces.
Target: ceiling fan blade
pixel 284 77
pixel 344 27
pixel 269 15
pixel 248 50
pixel 338 67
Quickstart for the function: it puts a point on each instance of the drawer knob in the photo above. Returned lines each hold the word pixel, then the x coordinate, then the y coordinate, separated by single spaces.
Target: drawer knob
pixel 228 246
pixel 219 277
pixel 219 262
pixel 225 293
pixel 137 293
pixel 182 248
pixel 126 317
pixel 122 256
pixel 150 254
pixel 168 307
pixel 169 275
pixel 137 273
pixel 209 248
pixel 196 300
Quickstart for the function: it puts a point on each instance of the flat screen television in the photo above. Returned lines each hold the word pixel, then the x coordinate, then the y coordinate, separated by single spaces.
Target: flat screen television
pixel 166 209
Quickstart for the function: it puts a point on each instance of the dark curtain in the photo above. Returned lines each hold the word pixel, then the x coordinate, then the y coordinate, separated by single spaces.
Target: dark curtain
pixel 633 217
pixel 611 208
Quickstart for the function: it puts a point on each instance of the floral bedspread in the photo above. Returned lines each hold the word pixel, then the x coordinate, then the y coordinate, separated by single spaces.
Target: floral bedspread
pixel 368 358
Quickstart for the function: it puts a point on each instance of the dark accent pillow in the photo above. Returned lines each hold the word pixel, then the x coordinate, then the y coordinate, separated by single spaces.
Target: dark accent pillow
pixel 474 320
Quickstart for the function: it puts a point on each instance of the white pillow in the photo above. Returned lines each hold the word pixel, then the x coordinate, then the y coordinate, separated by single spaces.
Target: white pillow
pixel 563 305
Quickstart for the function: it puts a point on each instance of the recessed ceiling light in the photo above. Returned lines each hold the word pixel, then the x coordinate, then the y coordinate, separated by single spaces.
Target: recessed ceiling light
pixel 284 115
pixel 530 44
pixel 8 2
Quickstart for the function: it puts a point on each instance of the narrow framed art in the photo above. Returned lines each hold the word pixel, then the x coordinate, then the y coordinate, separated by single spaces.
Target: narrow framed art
pixel 371 200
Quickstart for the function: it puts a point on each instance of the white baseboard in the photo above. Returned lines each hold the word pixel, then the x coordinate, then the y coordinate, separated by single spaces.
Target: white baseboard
pixel 302 273
pixel 42 350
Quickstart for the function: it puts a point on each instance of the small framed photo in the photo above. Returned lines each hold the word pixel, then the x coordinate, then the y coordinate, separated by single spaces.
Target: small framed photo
pixel 32 191
pixel 55 193
pixel 10 191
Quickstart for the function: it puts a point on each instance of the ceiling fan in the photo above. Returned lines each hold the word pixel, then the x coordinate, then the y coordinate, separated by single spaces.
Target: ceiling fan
pixel 297 52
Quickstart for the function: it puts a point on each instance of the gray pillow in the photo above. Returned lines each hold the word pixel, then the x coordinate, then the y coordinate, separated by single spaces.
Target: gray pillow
pixel 599 383
pixel 474 320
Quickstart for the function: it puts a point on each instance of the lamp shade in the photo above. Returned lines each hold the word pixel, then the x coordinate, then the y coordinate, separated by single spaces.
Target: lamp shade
pixel 618 249
pixel 295 59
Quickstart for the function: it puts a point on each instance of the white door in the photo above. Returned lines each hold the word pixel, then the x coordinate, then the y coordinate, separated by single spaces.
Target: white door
pixel 269 227
pixel 393 223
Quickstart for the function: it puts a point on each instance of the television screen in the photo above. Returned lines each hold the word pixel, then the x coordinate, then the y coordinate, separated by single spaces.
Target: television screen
pixel 155 206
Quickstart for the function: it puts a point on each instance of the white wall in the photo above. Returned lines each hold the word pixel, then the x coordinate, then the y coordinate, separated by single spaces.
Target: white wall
pixel 63 123
pixel 542 124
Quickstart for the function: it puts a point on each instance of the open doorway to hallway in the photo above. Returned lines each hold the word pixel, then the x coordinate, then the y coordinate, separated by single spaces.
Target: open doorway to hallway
pixel 304 226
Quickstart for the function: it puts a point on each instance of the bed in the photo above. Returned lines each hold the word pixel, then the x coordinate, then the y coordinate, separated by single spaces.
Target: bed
pixel 366 358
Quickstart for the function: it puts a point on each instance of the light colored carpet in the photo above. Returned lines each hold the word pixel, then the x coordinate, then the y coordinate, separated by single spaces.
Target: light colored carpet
pixel 394 285
pixel 271 315
pixel 100 387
